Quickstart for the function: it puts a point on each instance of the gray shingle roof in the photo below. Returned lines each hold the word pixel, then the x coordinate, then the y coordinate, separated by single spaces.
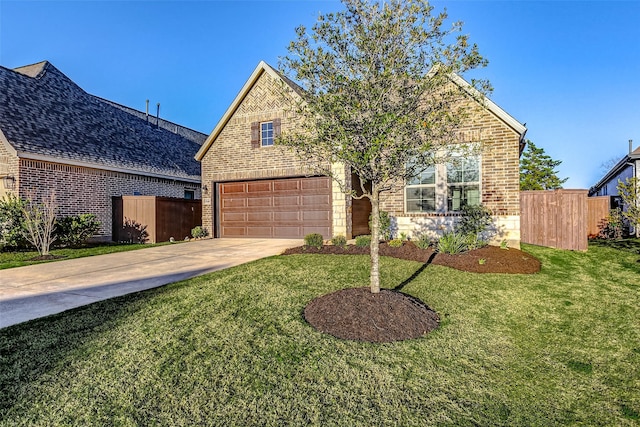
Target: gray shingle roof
pixel 44 113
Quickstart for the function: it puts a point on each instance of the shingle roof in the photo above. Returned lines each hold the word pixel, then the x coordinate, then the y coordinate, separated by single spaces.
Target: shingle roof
pixel 44 113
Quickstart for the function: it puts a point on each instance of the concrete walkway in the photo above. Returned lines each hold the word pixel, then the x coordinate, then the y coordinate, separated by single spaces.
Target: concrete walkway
pixel 40 290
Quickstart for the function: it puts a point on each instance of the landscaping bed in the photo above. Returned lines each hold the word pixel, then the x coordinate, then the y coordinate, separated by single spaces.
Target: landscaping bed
pixel 489 259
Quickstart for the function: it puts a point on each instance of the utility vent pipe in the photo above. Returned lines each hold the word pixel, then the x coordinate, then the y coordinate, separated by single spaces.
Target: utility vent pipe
pixel 147 111
pixel 630 146
pixel 158 116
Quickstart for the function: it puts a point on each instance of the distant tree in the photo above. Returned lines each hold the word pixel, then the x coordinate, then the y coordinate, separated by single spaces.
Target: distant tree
pixel 378 95
pixel 629 191
pixel 538 170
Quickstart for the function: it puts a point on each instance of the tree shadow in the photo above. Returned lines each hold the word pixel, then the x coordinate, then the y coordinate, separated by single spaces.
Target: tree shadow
pixel 416 273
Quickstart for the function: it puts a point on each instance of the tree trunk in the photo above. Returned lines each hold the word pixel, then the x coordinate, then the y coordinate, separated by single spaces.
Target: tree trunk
pixel 375 239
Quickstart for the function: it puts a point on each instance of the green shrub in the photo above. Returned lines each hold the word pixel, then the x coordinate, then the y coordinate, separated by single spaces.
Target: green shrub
pixel 12 223
pixel 339 240
pixel 314 240
pixel 74 230
pixel 395 243
pixel 198 232
pixel 423 241
pixel 453 243
pixel 385 225
pixel 474 219
pixel 363 241
pixel 473 242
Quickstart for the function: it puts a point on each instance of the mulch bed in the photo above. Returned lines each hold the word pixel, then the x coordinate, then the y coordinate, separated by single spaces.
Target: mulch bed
pixel 357 314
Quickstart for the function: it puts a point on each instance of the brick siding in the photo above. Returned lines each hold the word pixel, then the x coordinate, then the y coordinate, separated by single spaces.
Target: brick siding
pixel 85 190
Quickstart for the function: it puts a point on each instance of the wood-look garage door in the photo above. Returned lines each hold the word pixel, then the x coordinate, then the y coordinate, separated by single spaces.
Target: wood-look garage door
pixel 280 208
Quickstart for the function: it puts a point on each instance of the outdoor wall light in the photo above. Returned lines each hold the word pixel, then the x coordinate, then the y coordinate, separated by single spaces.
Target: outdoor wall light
pixel 9 181
pixel 205 189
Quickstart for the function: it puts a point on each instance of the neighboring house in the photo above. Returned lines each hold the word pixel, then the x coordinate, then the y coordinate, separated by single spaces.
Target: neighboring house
pixel 253 188
pixel 55 137
pixel 627 167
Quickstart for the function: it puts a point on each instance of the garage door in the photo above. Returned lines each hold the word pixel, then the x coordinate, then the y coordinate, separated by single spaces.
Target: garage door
pixel 280 208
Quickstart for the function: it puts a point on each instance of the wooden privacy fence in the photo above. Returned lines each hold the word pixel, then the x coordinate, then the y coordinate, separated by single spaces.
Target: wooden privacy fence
pixel 554 218
pixel 152 219
pixel 597 211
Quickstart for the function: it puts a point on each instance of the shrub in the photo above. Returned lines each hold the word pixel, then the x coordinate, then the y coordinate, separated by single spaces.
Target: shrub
pixel 395 243
pixel 385 225
pixel 363 241
pixel 12 223
pixel 339 240
pixel 453 243
pixel 314 240
pixel 423 241
pixel 614 225
pixel 74 230
pixel 198 232
pixel 474 220
pixel 473 242
pixel 39 223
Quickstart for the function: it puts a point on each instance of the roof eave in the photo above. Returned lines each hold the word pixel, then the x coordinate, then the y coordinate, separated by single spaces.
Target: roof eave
pixel 195 179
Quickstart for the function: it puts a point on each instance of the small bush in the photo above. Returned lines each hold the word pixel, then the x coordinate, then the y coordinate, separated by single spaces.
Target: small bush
pixel 385 225
pixel 423 241
pixel 314 240
pixel 12 223
pixel 473 242
pixel 453 243
pixel 395 243
pixel 474 220
pixel 339 240
pixel 198 232
pixel 74 230
pixel 363 241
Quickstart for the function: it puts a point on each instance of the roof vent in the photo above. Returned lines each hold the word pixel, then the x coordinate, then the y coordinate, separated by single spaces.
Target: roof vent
pixel 158 116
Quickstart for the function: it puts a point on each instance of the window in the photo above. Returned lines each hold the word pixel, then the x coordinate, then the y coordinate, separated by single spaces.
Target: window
pixel 189 194
pixel 420 192
pixel 445 187
pixel 463 182
pixel 266 134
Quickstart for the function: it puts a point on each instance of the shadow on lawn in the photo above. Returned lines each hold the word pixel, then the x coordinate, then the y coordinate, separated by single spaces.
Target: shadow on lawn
pixel 630 244
pixel 416 273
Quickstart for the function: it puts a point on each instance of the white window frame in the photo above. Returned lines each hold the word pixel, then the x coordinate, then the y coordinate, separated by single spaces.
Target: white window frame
pixel 266 134
pixel 442 187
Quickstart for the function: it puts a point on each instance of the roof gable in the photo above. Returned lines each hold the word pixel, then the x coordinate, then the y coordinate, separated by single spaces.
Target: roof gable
pixel 45 115
pixel 263 67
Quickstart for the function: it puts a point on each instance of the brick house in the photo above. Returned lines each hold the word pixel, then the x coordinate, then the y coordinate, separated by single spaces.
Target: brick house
pixel 56 137
pixel 253 188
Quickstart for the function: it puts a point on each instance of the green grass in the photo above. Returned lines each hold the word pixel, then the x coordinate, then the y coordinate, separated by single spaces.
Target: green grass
pixel 231 348
pixel 20 259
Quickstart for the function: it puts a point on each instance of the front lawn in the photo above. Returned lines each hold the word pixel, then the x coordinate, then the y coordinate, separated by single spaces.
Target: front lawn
pixel 231 348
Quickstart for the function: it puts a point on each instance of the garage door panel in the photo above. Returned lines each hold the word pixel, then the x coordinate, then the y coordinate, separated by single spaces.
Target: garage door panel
pixel 234 216
pixel 234 203
pixel 259 186
pixel 286 201
pixel 259 202
pixel 286 185
pixel 286 216
pixel 313 216
pixel 287 232
pixel 259 217
pixel 281 208
pixel 233 188
pixel 319 201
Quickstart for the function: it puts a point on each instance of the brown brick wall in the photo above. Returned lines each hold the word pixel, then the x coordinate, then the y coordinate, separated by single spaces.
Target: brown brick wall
pixel 231 157
pixel 84 190
pixel 499 166
pixel 8 166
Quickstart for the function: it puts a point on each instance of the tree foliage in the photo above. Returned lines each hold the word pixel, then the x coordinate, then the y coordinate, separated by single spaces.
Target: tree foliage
pixel 538 170
pixel 378 95
pixel 629 191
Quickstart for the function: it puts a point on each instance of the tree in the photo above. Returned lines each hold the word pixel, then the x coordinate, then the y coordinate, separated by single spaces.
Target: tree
pixel 378 95
pixel 629 191
pixel 39 223
pixel 537 170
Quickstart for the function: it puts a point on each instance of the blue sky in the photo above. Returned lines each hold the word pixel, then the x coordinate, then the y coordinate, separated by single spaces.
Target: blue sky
pixel 570 70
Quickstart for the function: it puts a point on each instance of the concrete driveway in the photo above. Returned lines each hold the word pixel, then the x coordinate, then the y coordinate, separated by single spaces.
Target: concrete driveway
pixel 40 290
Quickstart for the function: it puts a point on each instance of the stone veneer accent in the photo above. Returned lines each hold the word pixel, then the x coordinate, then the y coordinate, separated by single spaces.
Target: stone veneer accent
pixel 81 190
